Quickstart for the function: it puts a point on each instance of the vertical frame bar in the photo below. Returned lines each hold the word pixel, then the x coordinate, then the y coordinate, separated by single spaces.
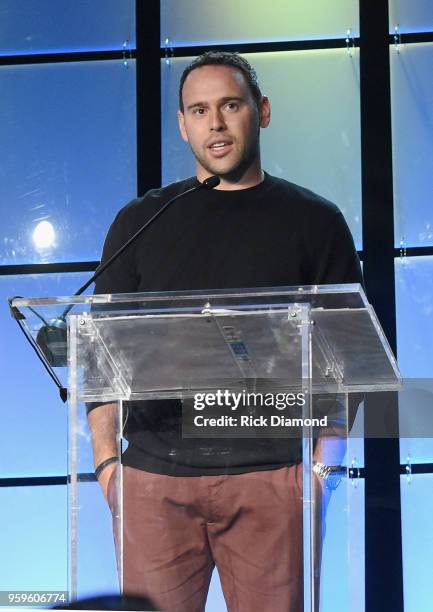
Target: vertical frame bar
pixel 383 546
pixel 148 71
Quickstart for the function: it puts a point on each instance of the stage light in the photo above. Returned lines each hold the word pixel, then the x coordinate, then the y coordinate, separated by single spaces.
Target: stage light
pixel 44 235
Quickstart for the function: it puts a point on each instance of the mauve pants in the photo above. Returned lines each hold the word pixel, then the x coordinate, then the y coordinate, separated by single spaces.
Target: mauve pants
pixel 176 529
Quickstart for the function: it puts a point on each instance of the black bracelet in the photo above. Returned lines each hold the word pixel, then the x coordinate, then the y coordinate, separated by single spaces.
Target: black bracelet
pixel 104 464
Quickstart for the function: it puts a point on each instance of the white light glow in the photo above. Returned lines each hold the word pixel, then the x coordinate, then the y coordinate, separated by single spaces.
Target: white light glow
pixel 44 235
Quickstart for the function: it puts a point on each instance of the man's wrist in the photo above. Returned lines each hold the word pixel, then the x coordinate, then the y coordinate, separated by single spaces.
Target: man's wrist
pixel 101 466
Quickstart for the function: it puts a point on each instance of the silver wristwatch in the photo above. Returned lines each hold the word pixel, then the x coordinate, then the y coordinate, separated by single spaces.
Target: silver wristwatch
pixel 331 474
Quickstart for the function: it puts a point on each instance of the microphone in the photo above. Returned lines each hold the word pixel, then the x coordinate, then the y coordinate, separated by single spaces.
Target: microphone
pixel 52 337
pixel 211 182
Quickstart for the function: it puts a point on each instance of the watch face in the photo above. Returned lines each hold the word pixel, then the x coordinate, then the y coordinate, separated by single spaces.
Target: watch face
pixel 320 469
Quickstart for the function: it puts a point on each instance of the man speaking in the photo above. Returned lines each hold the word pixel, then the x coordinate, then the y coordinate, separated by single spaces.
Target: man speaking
pixel 191 504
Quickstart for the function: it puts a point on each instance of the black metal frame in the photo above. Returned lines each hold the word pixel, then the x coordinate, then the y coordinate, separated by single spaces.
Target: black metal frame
pixel 65 57
pixel 148 95
pixel 384 578
pixel 383 545
pixel 49 268
pixel 262 47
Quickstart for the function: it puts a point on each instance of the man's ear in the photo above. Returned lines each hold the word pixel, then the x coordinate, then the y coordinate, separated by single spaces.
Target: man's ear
pixel 265 112
pixel 181 120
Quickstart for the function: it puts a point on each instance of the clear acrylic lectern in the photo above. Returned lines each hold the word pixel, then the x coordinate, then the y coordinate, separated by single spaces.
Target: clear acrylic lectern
pixel 319 344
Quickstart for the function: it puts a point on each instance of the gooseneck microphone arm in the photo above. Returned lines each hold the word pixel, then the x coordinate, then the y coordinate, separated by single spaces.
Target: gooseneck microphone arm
pixel 209 183
pixel 54 332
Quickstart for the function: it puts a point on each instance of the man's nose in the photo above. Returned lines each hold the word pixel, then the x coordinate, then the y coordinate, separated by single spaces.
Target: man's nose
pixel 217 123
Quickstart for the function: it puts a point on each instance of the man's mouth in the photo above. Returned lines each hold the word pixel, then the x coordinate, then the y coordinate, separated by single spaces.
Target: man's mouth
pixel 220 148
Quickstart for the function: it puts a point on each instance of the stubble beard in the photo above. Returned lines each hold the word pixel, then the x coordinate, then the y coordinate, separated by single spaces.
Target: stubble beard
pixel 237 171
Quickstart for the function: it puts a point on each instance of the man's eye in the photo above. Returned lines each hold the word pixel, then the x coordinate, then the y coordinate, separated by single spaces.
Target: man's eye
pixel 232 106
pixel 199 111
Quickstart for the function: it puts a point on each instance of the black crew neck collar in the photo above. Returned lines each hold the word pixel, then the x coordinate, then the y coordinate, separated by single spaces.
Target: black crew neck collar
pixel 237 192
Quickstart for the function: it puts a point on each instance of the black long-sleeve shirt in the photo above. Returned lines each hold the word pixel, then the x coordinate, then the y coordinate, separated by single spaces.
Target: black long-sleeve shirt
pixel 273 234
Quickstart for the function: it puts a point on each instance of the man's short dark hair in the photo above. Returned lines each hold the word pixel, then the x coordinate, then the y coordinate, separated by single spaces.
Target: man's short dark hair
pixel 223 58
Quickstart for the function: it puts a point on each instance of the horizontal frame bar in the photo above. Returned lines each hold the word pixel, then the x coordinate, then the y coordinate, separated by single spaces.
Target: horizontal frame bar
pixel 413 251
pixel 38 481
pixel 66 57
pixel 43 481
pixel 416 37
pixel 49 268
pixel 260 47
pixel 184 51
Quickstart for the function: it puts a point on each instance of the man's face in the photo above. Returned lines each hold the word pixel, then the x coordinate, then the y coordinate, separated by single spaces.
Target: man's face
pixel 221 121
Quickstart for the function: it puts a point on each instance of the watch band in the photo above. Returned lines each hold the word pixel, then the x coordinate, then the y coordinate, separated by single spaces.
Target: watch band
pixel 104 464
